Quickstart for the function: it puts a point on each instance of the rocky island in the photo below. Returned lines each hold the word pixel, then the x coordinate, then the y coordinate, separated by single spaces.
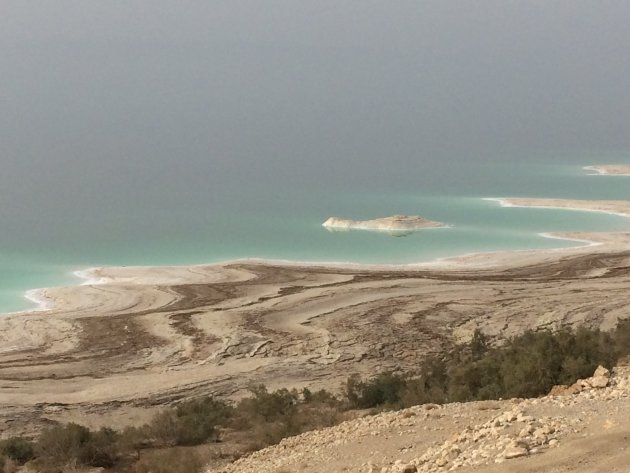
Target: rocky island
pixel 396 224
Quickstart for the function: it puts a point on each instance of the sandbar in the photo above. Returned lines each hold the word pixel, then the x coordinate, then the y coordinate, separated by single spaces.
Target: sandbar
pixel 393 224
pixel 614 207
pixel 610 169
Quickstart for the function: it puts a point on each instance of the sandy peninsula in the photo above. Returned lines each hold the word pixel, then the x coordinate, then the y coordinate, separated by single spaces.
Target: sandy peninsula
pixel 615 207
pixel 393 224
pixel 610 169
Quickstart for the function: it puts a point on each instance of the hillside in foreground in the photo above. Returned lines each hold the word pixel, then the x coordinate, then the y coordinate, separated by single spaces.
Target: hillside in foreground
pixel 582 428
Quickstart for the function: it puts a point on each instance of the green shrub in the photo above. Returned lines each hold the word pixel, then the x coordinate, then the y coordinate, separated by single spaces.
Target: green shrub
pixel 525 366
pixel 102 449
pixel 199 418
pixel 479 345
pixel 134 439
pixel 621 337
pixel 17 448
pixel 60 445
pixel 319 397
pixel 172 460
pixel 384 389
pixel 271 406
pixel 191 423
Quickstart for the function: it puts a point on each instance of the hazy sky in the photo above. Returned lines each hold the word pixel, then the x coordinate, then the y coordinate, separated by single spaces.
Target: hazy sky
pixel 163 100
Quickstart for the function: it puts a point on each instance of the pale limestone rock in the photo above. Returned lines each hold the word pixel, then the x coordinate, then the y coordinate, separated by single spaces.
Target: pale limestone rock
pixel 599 382
pixel 515 452
pixel 441 462
pixel 601 372
pixel 524 418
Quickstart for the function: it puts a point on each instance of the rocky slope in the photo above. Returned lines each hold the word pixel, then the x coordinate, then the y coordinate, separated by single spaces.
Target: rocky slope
pixel 581 428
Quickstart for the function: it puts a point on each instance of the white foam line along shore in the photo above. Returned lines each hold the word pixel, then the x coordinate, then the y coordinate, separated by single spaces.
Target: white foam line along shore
pixel 38 297
pixel 587 243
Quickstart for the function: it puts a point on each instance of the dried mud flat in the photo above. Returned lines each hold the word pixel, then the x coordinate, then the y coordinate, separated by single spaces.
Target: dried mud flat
pixel 111 354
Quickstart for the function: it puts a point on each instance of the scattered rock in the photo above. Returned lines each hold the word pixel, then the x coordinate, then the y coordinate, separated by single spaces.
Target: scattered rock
pixel 601 372
pixel 441 461
pixel 515 452
pixel 599 382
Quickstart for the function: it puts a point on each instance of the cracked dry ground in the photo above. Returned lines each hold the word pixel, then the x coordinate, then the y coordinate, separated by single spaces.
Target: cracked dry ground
pixel 284 326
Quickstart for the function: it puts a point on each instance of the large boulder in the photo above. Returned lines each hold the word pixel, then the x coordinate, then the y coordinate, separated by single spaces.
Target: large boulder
pixel 600 378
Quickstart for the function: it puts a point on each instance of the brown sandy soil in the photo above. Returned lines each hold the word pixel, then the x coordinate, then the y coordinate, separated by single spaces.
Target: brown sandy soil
pixel 110 354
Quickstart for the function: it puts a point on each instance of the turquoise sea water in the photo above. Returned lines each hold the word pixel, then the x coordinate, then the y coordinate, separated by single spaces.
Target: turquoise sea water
pixel 283 221
pixel 147 133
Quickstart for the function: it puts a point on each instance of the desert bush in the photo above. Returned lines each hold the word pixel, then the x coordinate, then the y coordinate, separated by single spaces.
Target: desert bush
pixel 61 445
pixel 164 428
pixel 621 336
pixel 430 385
pixel 171 460
pixel 191 423
pixel 528 365
pixel 133 439
pixel 199 419
pixel 319 397
pixel 479 345
pixel 102 449
pixel 270 406
pixel 18 449
pixel 525 366
pixel 384 389
pixel 268 417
